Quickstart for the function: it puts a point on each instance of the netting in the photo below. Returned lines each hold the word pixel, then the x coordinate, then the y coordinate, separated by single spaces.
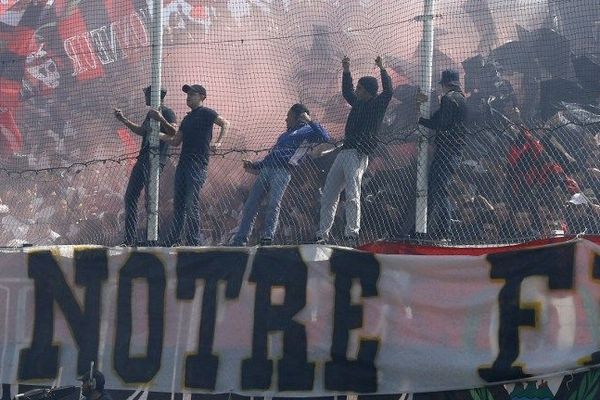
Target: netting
pixel 529 166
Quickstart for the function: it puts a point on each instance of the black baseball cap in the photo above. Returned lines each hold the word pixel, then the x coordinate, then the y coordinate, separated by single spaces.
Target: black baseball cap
pixel 194 89
pixel 450 77
pixel 97 376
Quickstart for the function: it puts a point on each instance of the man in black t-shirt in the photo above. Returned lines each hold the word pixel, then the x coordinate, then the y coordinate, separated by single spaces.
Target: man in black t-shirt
pixel 195 136
pixel 360 140
pixel 141 170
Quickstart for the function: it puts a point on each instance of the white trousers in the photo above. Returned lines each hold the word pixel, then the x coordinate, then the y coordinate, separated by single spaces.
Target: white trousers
pixel 345 173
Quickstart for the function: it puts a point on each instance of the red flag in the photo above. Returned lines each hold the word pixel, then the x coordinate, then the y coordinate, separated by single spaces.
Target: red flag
pixel 10 136
pixel 79 47
pixel 129 144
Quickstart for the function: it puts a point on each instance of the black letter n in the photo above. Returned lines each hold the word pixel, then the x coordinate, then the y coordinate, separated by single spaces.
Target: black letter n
pixel 40 360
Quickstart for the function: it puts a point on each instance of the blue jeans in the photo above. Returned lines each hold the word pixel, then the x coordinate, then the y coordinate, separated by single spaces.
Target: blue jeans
pixel 271 181
pixel 190 176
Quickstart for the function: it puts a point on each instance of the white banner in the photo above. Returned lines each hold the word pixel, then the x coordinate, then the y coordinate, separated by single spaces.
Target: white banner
pixel 297 321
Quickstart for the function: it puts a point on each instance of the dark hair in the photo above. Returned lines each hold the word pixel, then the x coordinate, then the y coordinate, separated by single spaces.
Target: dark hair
pixel 298 109
pixel 148 91
pixel 370 84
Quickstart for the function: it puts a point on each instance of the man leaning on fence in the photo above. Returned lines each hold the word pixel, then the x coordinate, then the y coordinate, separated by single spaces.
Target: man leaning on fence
pixel 360 139
pixel 274 172
pixel 449 125
pixel 195 136
pixel 140 172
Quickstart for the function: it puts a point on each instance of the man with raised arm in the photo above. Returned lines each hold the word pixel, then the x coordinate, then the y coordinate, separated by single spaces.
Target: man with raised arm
pixel 140 172
pixel 360 139
pixel 274 172
pixel 195 136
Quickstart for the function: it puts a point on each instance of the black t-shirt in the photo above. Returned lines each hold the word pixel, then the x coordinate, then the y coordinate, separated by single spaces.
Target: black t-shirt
pixel 196 128
pixel 147 130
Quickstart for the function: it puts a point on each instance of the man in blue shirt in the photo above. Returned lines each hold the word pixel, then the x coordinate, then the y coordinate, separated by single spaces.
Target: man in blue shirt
pixel 274 172
pixel 195 135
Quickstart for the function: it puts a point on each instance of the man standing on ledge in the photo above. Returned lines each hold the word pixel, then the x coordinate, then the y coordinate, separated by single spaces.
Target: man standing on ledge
pixel 449 125
pixel 360 139
pixel 140 172
pixel 275 171
pixel 195 132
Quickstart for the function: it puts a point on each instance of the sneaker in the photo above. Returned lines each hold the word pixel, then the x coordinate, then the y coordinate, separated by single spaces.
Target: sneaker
pixel 266 242
pixel 320 240
pixel 350 241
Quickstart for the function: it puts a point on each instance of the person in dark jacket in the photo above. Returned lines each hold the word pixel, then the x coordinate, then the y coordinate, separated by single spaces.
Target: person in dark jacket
pixel 360 139
pixel 140 172
pixel 449 125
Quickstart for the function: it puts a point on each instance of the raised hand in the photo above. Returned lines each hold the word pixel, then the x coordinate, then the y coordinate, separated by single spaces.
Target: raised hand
pixel 118 114
pixel 379 62
pixel 304 117
pixel 154 114
pixel 346 63
pixel 215 146
pixel 421 97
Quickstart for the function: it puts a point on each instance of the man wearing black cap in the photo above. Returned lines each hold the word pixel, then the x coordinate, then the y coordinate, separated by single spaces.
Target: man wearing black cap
pixel 449 125
pixel 360 139
pixel 195 136
pixel 141 169
pixel 92 387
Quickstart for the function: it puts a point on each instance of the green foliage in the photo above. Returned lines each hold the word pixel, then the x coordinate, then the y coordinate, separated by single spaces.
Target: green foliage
pixel 482 394
pixel 588 387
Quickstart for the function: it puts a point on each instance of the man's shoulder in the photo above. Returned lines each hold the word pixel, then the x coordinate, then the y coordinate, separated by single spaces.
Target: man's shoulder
pixel 455 97
pixel 207 110
pixel 168 113
pixel 166 109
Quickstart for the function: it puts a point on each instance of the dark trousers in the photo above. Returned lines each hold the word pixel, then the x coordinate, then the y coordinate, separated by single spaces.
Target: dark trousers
pixel 439 207
pixel 137 181
pixel 190 176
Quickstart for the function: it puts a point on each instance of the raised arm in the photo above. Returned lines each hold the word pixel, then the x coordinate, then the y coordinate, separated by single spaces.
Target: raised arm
pixel 347 85
pixel 137 129
pixel 319 136
pixel 386 82
pixel 169 127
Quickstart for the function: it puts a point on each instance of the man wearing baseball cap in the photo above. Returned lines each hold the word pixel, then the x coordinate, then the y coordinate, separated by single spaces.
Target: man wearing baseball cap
pixel 194 136
pixel 92 386
pixel 449 125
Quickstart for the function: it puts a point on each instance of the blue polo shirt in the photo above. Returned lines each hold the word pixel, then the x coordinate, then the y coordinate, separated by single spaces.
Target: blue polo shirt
pixel 293 141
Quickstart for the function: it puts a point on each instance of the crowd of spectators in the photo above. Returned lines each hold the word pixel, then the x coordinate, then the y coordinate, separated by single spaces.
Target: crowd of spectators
pixel 63 188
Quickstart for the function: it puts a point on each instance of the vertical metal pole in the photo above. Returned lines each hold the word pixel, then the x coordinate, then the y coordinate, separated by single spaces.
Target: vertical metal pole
pixel 154 178
pixel 426 71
